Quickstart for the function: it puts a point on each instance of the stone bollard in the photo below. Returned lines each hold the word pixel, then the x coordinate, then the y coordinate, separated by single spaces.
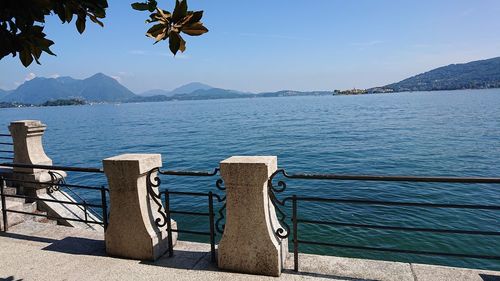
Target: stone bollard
pixel 28 149
pixel 249 243
pixel 132 231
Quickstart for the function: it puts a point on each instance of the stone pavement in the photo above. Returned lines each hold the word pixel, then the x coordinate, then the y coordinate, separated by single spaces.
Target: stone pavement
pixel 37 251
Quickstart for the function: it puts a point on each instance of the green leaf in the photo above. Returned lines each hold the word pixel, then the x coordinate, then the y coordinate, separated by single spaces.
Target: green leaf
pixel 182 44
pixel 69 13
pixel 194 29
pixel 140 6
pixel 152 5
pixel 196 17
pixel 60 11
pixel 25 57
pixel 180 10
pixel 155 30
pixel 94 19
pixel 80 24
pixel 48 51
pixel 174 43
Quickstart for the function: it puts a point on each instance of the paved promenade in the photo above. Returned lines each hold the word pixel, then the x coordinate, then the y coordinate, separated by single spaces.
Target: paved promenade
pixel 35 251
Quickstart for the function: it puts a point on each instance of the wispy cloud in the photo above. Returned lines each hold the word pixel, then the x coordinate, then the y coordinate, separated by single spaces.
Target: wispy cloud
pixel 117 78
pixel 29 76
pixel 55 75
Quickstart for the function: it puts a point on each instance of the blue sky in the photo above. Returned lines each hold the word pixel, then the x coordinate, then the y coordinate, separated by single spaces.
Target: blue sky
pixel 263 45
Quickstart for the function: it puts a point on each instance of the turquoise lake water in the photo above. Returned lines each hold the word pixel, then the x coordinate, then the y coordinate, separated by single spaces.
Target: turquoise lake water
pixel 454 133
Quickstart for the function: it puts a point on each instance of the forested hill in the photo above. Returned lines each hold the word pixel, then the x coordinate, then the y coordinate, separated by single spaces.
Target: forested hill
pixel 480 74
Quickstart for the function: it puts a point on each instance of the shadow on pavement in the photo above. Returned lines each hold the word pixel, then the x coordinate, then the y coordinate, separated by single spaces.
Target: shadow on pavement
pixel 27 237
pixel 487 277
pixel 184 259
pixel 78 246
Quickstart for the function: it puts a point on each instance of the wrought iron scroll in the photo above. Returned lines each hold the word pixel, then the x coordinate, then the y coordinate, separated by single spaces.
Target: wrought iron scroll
pixel 151 183
pixel 284 230
pixel 218 223
pixel 154 182
pixel 56 180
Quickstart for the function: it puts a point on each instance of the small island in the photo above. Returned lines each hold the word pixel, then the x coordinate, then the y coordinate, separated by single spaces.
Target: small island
pixel 61 102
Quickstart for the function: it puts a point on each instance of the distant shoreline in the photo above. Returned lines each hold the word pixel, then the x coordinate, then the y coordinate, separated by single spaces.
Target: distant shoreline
pixel 77 102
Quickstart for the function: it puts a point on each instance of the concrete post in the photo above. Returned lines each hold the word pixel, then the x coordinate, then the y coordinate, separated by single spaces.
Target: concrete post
pixel 28 149
pixel 132 232
pixel 249 243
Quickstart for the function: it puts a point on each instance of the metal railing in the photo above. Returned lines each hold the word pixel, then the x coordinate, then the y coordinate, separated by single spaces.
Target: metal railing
pixel 285 231
pixel 91 216
pixel 6 147
pixel 165 212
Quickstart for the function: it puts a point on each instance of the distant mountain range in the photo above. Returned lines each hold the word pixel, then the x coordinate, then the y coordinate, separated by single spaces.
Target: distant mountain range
pixel 97 88
pixel 101 88
pixel 482 74
pixel 185 89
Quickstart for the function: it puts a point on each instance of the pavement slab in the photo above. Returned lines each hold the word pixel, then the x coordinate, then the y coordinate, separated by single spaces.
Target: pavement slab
pixel 37 251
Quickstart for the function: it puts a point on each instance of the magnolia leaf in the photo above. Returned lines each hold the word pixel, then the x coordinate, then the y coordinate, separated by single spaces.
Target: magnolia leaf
pixel 161 36
pixel 140 6
pixel 47 50
pixel 80 24
pixel 94 19
pixel 194 29
pixel 174 43
pixel 37 52
pixel 25 57
pixel 196 17
pixel 69 13
pixel 60 11
pixel 180 10
pixel 170 25
pixel 62 16
pixel 155 30
pixel 162 14
pixel 152 5
pixel 182 44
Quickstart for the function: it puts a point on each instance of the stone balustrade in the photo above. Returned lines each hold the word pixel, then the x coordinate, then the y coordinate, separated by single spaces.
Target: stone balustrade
pixel 132 231
pixel 28 149
pixel 249 243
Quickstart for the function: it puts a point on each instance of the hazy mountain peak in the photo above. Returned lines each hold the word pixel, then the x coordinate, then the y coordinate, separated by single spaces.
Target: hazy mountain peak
pixel 99 75
pixel 190 87
pixel 65 79
pixel 99 87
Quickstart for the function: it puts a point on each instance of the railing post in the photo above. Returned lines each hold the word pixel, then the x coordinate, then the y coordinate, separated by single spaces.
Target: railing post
pixel 212 224
pixel 4 206
pixel 249 243
pixel 104 204
pixel 133 231
pixel 28 149
pixel 295 234
pixel 169 224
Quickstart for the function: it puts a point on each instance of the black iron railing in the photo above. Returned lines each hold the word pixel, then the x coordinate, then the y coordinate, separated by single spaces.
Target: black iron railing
pixel 165 212
pixel 91 215
pixel 6 148
pixel 285 230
